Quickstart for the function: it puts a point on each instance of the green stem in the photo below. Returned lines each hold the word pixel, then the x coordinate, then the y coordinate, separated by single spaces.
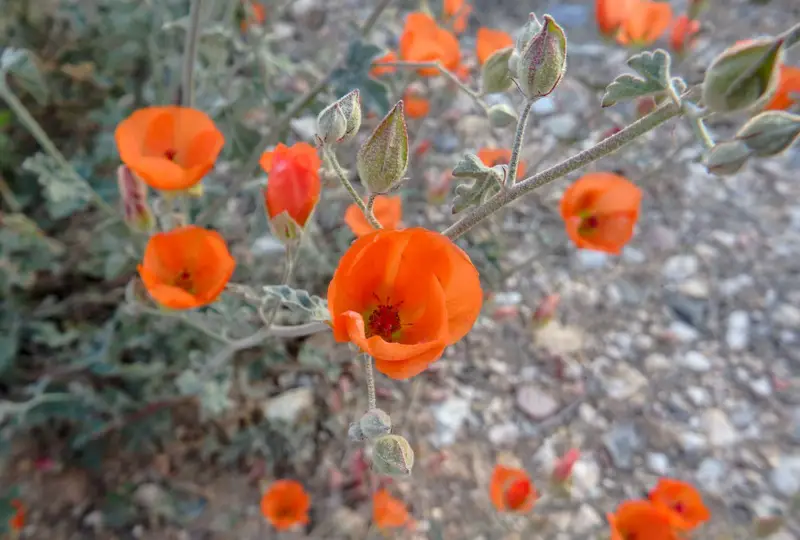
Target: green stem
pixel 516 150
pixel 603 148
pixel 190 54
pixel 47 144
pixel 476 97
pixel 791 37
pixel 696 121
pixel 330 157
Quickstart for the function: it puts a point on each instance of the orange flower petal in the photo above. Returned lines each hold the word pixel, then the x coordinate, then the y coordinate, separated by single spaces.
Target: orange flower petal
pixel 610 14
pixel 511 490
pixel 642 519
pixel 645 23
pixel 293 186
pixel 489 41
pixel 788 84
pixel 285 504
pixel 682 499
pixel 415 106
pixel 377 71
pixel 388 512
pixel 387 210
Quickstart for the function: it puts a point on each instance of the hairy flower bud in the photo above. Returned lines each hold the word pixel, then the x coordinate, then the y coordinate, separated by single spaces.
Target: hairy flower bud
pixel 543 61
pixel 495 75
pixel 383 159
pixel 341 120
pixel 502 115
pixel 392 456
pixel 770 132
pixel 133 195
pixel 354 432
pixel 532 27
pixel 727 158
pixel 744 76
pixel 375 423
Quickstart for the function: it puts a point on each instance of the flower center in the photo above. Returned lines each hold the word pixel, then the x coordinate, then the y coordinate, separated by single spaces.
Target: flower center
pixel 170 154
pixel 589 223
pixel 384 320
pixel 517 494
pixel 184 281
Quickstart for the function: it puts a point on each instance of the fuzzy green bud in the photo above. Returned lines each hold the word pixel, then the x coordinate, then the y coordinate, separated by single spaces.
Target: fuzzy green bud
pixel 727 158
pixel 133 195
pixel 341 120
pixel 744 76
pixel 375 423
pixel 543 61
pixel 532 27
pixel 354 432
pixel 502 115
pixel 495 75
pixel 392 456
pixel 770 132
pixel 383 159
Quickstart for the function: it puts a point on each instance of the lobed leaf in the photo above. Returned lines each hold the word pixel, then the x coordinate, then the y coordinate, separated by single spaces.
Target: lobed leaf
pixel 654 76
pixel 65 195
pixel 300 301
pixel 484 182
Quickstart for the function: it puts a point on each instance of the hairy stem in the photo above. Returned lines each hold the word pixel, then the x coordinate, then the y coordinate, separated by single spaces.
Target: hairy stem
pixel 519 137
pixel 190 54
pixel 791 37
pixel 696 121
pixel 330 157
pixel 369 373
pixel 476 97
pixel 603 148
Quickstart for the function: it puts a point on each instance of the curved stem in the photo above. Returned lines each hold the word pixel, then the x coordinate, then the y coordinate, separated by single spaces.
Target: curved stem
pixel 330 157
pixel 190 54
pixel 516 150
pixel 603 148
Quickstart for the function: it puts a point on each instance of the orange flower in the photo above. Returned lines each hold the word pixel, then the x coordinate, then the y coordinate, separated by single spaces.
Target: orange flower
pixel 402 296
pixel 600 211
pixel 171 148
pixel 489 41
pixel 788 84
pixel 17 521
pixel 388 211
pixel 388 512
pixel 423 40
pixel 377 71
pixel 635 520
pixel 683 499
pixel 683 32
pixel 255 15
pixel 415 106
pixel 456 12
pixel 293 185
pixel 610 14
pixel 285 504
pixel 645 22
pixel 186 267
pixel 499 156
pixel 511 490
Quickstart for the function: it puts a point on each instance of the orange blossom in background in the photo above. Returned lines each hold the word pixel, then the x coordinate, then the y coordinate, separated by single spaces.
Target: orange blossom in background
pixel 635 520
pixel 415 105
pixel 293 185
pixel 610 14
pixel 511 490
pixel 387 210
pixel 17 520
pixel 170 148
pixel 285 504
pixel 788 84
pixel 456 13
pixel 187 267
pixel 423 40
pixel 684 30
pixel 377 71
pixel 489 41
pixel 683 499
pixel 388 512
pixel 645 22
pixel 255 14
pixel 499 156
pixel 600 211
pixel 402 296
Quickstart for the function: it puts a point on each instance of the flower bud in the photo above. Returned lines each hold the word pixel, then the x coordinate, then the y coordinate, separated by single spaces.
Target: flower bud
pixel 562 470
pixel 133 195
pixel 341 120
pixel 354 432
pixel 770 132
pixel 382 160
pixel 532 27
pixel 745 76
pixel 495 75
pixel 513 61
pixel 727 158
pixel 543 61
pixel 375 423
pixel 392 456
pixel 502 115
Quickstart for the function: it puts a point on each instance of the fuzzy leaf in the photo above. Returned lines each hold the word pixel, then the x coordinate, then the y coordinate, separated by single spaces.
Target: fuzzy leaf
pixel 300 301
pixel 484 180
pixel 21 64
pixel 654 73
pixel 64 194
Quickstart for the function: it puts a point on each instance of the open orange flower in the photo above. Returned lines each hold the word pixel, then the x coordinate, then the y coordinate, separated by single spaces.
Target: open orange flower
pixel 414 105
pixel 423 40
pixel 489 41
pixel 170 148
pixel 378 71
pixel 285 504
pixel 402 296
pixel 684 30
pixel 788 84
pixel 388 512
pixel 387 210
pixel 682 499
pixel 511 490
pixel 456 13
pixel 293 185
pixel 17 521
pixel 645 22
pixel 635 520
pixel 186 267
pixel 255 14
pixel 499 156
pixel 600 211
pixel 610 15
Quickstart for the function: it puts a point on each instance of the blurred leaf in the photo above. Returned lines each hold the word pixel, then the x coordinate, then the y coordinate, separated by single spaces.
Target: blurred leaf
pixel 300 301
pixel 354 75
pixel 484 181
pixel 9 338
pixel 21 64
pixel 65 194
pixel 654 70
pixel 47 333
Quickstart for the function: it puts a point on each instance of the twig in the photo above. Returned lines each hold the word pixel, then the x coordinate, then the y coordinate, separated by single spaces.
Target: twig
pixel 603 148
pixel 330 157
pixel 190 54
pixel 369 373
pixel 519 137
pixel 696 121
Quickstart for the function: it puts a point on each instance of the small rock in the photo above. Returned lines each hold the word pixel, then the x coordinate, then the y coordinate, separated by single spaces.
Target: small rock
pixel 586 520
pixel 536 402
pixel 719 428
pixel 694 288
pixel 349 523
pixel 446 143
pixel 699 396
pixel 688 310
pixel 710 475
pixel 683 332
pixel 658 463
pixel 662 238
pixel 786 315
pixel 785 477
pixel 292 406
pixel 507 433
pixel 559 339
pixel 591 260
pixel 695 361
pixel 794 425
pixel 151 496
pixel 743 415
pixel 622 444
pixel 738 334
pixel 562 126
pixel 656 362
pixel 632 255
pixel 585 478
pixel 692 442
pixel 627 382
pixel 450 416
pixel 544 106
pixel 761 387
pixel 680 267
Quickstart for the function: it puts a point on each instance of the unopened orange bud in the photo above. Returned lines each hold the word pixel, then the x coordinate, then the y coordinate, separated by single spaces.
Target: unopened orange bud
pixel 133 195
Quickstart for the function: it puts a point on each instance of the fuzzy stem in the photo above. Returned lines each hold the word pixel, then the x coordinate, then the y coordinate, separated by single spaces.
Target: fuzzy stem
pixel 330 157
pixel 696 121
pixel 519 137
pixel 791 37
pixel 444 71
pixel 603 148
pixel 190 54
pixel 369 373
